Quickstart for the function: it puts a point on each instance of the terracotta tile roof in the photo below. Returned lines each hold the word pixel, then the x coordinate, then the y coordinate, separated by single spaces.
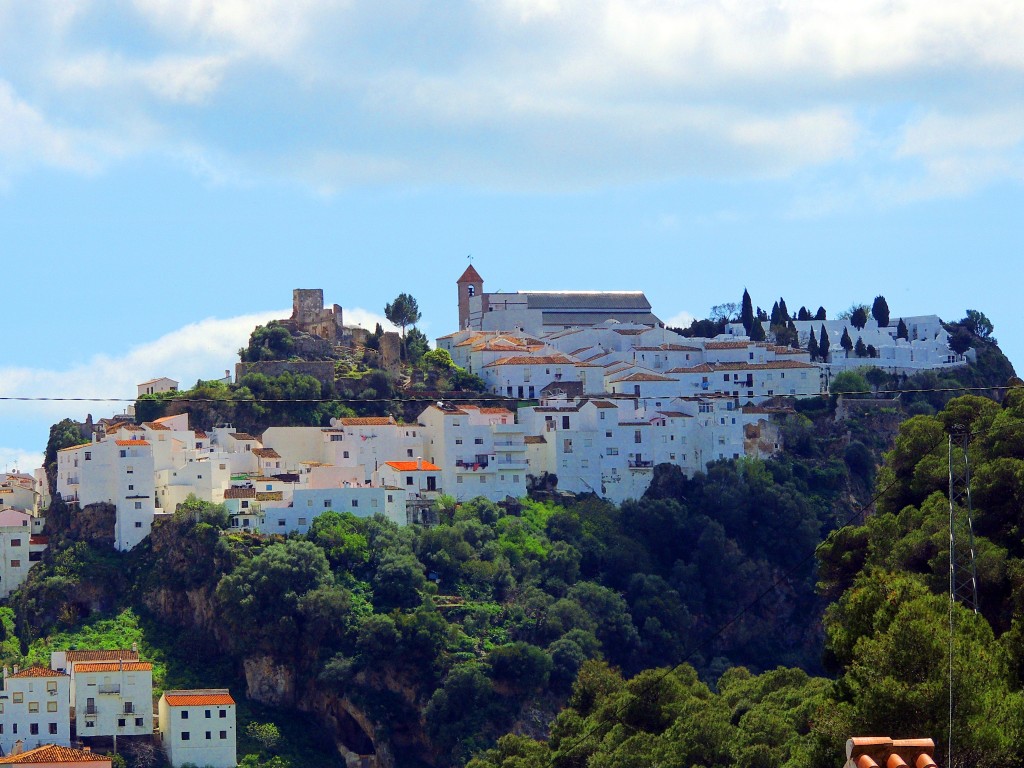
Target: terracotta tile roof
pixel 702 368
pixel 471 340
pixel 634 424
pixel 675 414
pixel 102 655
pixel 242 436
pixel 113 666
pixel 772 365
pixel 74 447
pixel 496 411
pixel 470 276
pixel 269 495
pixel 132 442
pixel 155 426
pixel 640 376
pixel 200 435
pixel 239 493
pixel 668 348
pixel 728 344
pixel 369 421
pixel 198 698
pixel 413 466
pixel 266 453
pixel 39 672
pixel 534 440
pixel 533 360
pixel 603 404
pixel 630 331
pixel 53 753
pixel 162 419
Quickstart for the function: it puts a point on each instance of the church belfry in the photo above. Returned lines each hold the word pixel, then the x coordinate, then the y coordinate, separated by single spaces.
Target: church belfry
pixel 470 285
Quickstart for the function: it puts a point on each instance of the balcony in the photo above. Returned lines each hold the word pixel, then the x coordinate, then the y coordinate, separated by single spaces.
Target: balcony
pixel 91 709
pixel 470 464
pixel 510 445
pixel 113 689
pixel 641 464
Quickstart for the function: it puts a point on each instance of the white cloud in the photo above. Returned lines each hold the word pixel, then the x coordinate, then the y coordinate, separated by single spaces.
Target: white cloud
pixel 519 93
pixel 16 458
pixel 680 320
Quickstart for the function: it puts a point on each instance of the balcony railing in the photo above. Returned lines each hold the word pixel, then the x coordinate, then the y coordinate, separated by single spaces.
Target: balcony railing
pixel 112 689
pixel 641 464
pixel 471 464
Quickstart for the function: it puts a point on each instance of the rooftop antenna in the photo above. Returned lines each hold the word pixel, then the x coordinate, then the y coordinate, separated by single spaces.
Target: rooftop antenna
pixel 963 576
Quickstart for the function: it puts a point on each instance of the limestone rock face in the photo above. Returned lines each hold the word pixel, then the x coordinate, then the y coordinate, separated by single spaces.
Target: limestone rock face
pixel 268 682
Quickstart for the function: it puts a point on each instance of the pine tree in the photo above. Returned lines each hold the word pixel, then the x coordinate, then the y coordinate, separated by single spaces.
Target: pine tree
pixel 846 342
pixel 746 312
pixel 880 311
pixel 820 315
pixel 823 344
pixel 901 331
pixel 812 346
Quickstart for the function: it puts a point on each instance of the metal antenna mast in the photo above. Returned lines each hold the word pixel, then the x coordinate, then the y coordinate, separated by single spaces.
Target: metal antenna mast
pixel 963 577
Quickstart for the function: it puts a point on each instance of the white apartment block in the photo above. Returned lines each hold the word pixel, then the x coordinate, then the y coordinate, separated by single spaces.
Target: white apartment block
pixel 34 709
pixel 198 727
pixel 21 546
pixel 481 451
pixel 111 691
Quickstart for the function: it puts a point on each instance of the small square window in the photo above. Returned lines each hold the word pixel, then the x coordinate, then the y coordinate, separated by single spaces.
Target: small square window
pixel 208 715
pixel 208 735
pixel 138 721
pixel 223 734
pixel 33 706
pixel 34 729
pixel 120 722
pixel 185 736
pixel 53 727
pixel 51 706
pixel 184 714
pixel 223 713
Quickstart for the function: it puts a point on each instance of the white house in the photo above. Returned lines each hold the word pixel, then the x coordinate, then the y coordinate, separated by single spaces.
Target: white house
pixel 155 386
pixel 112 691
pixel 21 546
pixel 35 708
pixel 481 451
pixel 198 727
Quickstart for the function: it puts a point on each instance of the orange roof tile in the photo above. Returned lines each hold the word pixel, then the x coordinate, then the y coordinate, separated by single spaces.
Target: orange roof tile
pixel 534 440
pixel 198 698
pixel 368 421
pixel 640 376
pixel 496 411
pixel 132 442
pixel 53 753
pixel 269 495
pixel 266 453
pixel 114 666
pixel 239 493
pixel 242 436
pixel 533 360
pixel 102 655
pixel 728 344
pixel 413 466
pixel 156 426
pixel 39 672
pixel 73 447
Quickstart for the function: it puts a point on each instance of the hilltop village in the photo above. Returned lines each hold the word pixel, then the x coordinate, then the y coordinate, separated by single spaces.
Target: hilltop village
pixel 566 393
pixel 590 392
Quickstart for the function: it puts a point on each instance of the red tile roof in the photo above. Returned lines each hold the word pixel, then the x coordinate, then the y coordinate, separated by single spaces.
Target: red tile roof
pixel 132 442
pixel 728 344
pixel 640 376
pixel 269 495
pixel 242 436
pixel 533 360
pixel 39 672
pixel 113 666
pixel 496 411
pixel 155 426
pixel 239 493
pixel 198 698
pixel 266 453
pixel 53 753
pixel 102 655
pixel 413 466
pixel 368 421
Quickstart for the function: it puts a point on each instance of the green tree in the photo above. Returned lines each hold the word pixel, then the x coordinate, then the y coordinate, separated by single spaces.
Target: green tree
pixel 880 311
pixel 812 346
pixel 64 434
pixel 960 340
pixel 416 345
pixel 820 314
pixel 859 348
pixel 746 312
pixel 978 324
pixel 803 314
pixel 901 331
pixel 847 382
pixel 859 318
pixel 403 311
pixel 272 341
pixel 267 735
pixel 757 331
pixel 823 344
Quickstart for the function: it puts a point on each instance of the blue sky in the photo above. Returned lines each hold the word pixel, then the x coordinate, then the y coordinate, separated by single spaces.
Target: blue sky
pixel 171 169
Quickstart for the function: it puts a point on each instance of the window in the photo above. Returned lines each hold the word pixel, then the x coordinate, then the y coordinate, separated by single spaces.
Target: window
pixel 34 729
pixel 345 454
pixel 131 487
pixel 602 415
pixel 138 721
pixel 478 440
pixel 53 727
pixel 223 734
pixel 483 478
pixel 280 522
pixel 15 542
pixel 88 455
pixel 302 521
pixel 208 734
pixel 327 503
pixel 138 523
pixel 637 437
pixel 458 479
pixel 51 706
pixel 612 452
pixel 130 470
pixel 33 706
pixel 408 480
pixel 355 502
pixel 458 441
pixel 120 722
pixel 90 723
pixel 185 736
pixel 607 434
pixel 408 452
pixel 223 713
pixel 124 454
pixel 337 438
pixel 184 714
pixel 138 505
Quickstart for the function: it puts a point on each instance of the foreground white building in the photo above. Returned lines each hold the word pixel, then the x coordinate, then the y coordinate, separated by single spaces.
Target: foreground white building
pixel 35 708
pixel 198 727
pixel 111 691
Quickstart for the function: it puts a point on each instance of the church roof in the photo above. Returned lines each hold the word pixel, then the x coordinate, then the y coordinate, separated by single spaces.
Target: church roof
pixel 470 276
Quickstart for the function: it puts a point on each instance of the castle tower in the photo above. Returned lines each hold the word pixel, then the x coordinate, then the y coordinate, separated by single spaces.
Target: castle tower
pixel 470 285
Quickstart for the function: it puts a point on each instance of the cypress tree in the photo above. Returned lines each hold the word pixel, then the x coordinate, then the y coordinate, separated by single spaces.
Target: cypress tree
pixel 794 336
pixel 859 349
pixel 901 331
pixel 775 315
pixel 812 346
pixel 880 311
pixel 746 312
pixel 846 342
pixel 859 318
pixel 757 331
pixel 820 314
pixel 823 344
pixel 803 314
pixel 783 311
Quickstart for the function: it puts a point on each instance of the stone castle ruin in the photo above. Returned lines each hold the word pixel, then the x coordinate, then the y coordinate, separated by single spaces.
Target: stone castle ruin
pixel 310 316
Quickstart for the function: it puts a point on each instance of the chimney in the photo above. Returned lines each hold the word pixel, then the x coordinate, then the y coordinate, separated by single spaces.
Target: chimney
pixel 18 748
pixel 135 647
pixel 15 669
pixel 419 462
pixel 5 671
